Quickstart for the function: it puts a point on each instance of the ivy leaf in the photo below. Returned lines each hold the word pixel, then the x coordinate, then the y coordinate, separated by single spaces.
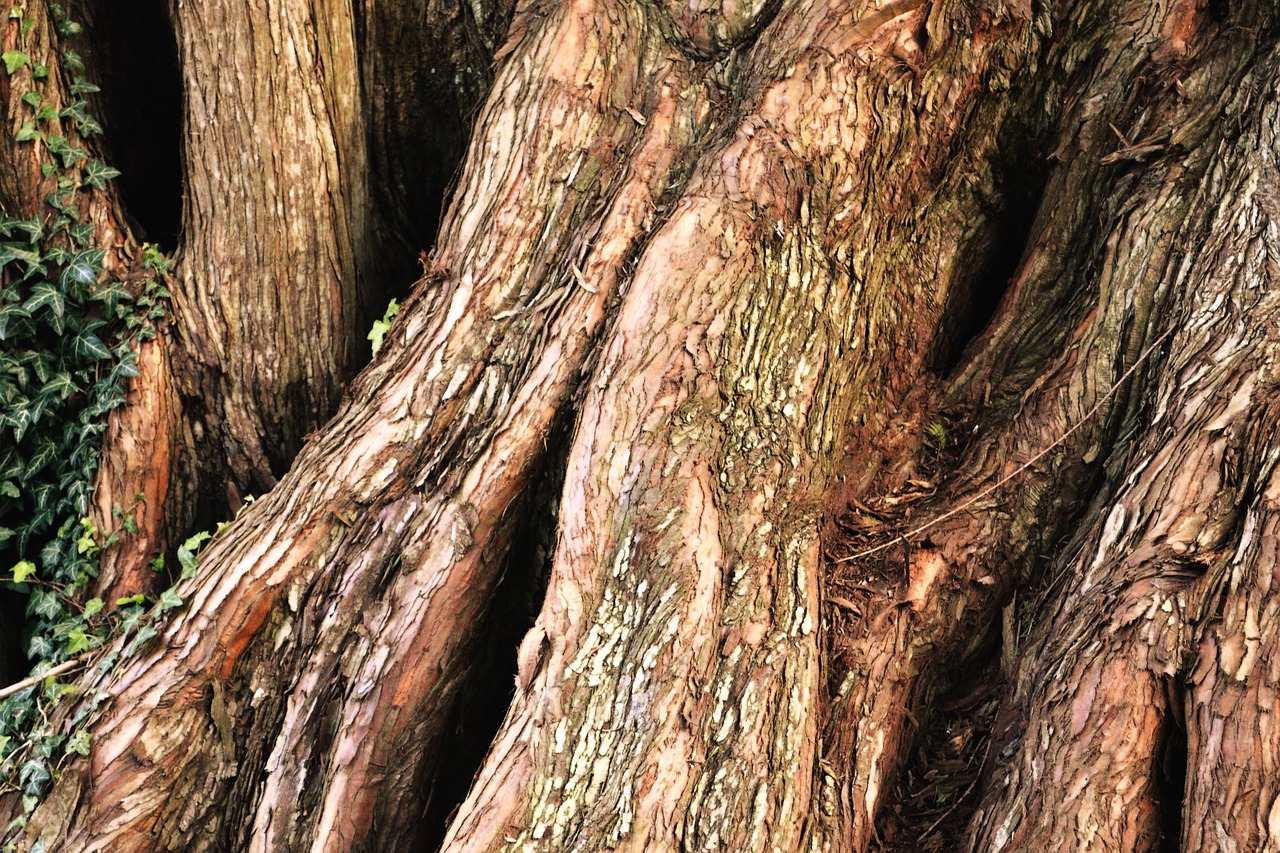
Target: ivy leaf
pixel 61 385
pixel 91 346
pixel 14 59
pixel 8 313
pixel 88 126
pixel 81 86
pixel 33 226
pixel 72 155
pixel 23 570
pixel 20 420
pixel 18 252
pixel 40 647
pixel 33 776
pixel 82 271
pixel 187 553
pixel 75 110
pixel 10 490
pixel 97 173
pixel 77 642
pixel 44 604
pixel 81 234
pixel 168 600
pixel 32 99
pixel 126 369
pixel 39 72
pixel 78 743
pixel 110 294
pixel 72 60
pixel 46 452
pixel 57 144
pixel 26 133
pixel 92 607
pixel 45 295
pixel 145 633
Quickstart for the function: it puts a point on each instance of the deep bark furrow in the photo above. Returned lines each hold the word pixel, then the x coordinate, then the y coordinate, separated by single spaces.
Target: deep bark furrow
pixel 1120 621
pixel 688 543
pixel 732 240
pixel 507 288
pixel 276 216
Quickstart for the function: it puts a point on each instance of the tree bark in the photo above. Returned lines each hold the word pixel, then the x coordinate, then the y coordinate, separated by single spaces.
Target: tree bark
pixel 742 249
pixel 282 264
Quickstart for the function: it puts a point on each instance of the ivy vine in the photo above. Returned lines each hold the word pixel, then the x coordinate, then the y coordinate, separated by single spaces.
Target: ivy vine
pixel 67 336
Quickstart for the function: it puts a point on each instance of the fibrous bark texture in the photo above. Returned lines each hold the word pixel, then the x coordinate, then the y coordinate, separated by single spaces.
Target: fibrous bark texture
pixel 893 335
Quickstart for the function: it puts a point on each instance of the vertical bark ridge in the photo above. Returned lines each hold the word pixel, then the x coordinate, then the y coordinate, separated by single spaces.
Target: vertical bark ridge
pixel 446 429
pixel 688 544
pixel 275 229
pixel 958 576
pixel 1121 618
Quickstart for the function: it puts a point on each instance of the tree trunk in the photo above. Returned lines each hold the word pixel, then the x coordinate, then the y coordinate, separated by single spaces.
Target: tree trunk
pixel 893 338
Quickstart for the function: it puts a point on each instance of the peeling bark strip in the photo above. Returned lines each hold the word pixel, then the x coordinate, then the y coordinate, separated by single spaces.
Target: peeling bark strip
pixel 739 235
pixel 678 699
pixel 446 433
pixel 1168 593
pixel 276 215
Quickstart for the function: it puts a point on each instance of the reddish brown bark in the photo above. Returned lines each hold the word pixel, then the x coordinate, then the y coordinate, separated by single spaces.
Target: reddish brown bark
pixel 735 247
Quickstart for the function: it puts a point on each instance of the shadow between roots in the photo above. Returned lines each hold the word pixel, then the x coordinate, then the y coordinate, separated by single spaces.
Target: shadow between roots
pixel 489 685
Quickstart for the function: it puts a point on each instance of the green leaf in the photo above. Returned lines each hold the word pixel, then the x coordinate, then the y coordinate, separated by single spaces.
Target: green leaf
pixel 32 99
pixel 78 742
pixel 33 776
pixel 91 346
pixel 381 327
pixel 40 647
pixel 83 269
pixel 81 234
pixel 18 252
pixel 88 126
pixel 97 173
pixel 45 604
pixel 145 633
pixel 187 553
pixel 77 642
pixel 7 314
pixel 10 490
pixel 81 86
pixel 168 600
pixel 46 113
pixel 26 133
pixel 72 60
pixel 14 59
pixel 71 156
pixel 77 110
pixel 92 607
pixel 39 72
pixel 46 452
pixel 23 570
pixel 45 295
pixel 61 385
